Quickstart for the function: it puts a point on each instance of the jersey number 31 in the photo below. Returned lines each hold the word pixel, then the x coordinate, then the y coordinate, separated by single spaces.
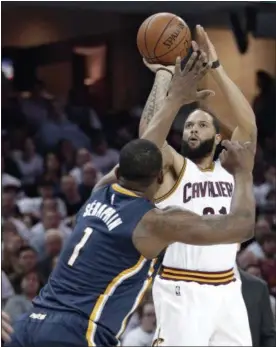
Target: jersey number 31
pixel 78 247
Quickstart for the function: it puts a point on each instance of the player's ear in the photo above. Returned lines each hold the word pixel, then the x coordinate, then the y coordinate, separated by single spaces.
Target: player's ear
pixel 117 172
pixel 217 139
pixel 160 177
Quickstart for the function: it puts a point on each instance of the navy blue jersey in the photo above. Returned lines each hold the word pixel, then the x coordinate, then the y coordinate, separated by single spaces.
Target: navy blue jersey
pixel 100 274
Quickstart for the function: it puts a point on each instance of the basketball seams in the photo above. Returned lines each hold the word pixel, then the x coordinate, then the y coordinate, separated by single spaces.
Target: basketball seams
pixel 167 25
pixel 149 46
pixel 163 55
pixel 145 36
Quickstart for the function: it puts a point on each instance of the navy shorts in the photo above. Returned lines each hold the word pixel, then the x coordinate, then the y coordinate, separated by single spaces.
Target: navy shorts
pixel 48 328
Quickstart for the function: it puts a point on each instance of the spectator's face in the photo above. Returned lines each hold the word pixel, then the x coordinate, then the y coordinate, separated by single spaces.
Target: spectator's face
pixel 49 205
pixel 83 157
pixel 27 260
pixel 46 192
pixel 255 271
pixel 16 242
pixel 148 320
pixel 51 220
pixel 269 247
pixel 261 228
pixel 30 284
pixel 52 163
pixel 89 175
pixel 53 245
pixel 8 204
pixel 9 231
pixel 68 185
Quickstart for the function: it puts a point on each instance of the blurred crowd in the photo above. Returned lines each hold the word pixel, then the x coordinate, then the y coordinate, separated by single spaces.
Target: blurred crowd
pixel 54 152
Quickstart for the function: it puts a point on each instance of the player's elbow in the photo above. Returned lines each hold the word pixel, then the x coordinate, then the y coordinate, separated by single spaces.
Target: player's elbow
pixel 248 229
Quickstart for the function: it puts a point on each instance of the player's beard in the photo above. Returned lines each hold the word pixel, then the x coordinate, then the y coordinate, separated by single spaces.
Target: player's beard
pixel 202 151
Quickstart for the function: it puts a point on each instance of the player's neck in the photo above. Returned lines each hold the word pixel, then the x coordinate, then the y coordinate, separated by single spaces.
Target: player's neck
pixel 132 186
pixel 204 163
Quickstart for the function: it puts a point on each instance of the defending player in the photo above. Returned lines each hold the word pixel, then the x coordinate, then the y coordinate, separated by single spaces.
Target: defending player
pixel 111 256
pixel 207 307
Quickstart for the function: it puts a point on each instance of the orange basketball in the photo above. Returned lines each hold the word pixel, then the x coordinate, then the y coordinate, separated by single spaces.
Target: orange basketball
pixel 162 37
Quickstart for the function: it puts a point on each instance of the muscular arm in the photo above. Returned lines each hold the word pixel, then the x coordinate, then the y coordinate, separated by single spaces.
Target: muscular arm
pixel 153 105
pixel 160 228
pixel 156 98
pixel 242 124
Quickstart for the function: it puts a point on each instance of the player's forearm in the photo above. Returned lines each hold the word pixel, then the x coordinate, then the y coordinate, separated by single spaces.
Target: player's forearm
pixel 238 225
pixel 235 227
pixel 161 123
pixel 241 111
pixel 155 99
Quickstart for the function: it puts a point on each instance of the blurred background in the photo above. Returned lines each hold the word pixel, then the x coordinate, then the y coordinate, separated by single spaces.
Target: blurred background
pixel 73 89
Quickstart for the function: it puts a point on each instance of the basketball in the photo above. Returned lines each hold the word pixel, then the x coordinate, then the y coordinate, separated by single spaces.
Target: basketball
pixel 163 37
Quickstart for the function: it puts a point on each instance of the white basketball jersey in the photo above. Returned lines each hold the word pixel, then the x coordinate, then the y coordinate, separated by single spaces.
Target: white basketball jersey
pixel 202 192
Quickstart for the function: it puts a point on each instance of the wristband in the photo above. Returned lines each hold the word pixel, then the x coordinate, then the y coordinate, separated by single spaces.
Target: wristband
pixel 164 69
pixel 215 64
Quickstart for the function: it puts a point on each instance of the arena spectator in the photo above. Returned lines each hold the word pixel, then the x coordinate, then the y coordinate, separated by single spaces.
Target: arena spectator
pixel 8 181
pixel 10 247
pixel 10 164
pixel 144 333
pixel 35 106
pixel 52 169
pixel 89 179
pixel 7 289
pixel 67 155
pixel 22 303
pixel 70 195
pixel 104 158
pixel 260 315
pixel 27 261
pixel 50 220
pixel 30 163
pixel 60 128
pixel 53 246
pixel 255 249
pixel 83 157
pixel 9 207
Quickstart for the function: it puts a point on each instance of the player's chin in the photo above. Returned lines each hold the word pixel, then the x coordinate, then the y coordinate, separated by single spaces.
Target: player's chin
pixel 193 144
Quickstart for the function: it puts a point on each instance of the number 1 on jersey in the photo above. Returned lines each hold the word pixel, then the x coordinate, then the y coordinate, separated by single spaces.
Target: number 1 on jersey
pixel 78 247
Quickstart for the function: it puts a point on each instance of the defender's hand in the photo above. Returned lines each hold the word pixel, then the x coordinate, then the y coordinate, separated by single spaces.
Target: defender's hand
pixel 155 67
pixel 205 44
pixel 6 327
pixel 183 87
pixel 236 157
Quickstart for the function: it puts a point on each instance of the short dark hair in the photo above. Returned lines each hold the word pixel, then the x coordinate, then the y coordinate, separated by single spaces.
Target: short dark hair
pixel 215 120
pixel 140 161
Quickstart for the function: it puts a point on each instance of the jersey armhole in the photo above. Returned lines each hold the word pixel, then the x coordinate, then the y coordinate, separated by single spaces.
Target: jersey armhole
pixel 177 182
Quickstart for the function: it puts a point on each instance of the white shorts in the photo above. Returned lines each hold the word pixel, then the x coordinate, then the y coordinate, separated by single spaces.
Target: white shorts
pixel 193 314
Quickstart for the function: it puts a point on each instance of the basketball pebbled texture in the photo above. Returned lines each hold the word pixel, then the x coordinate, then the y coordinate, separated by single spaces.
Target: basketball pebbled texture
pixel 162 37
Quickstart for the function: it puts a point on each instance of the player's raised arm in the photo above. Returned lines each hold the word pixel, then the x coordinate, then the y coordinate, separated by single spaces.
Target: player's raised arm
pixel 163 76
pixel 242 124
pixel 160 228
pixel 182 91
pixel 163 105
